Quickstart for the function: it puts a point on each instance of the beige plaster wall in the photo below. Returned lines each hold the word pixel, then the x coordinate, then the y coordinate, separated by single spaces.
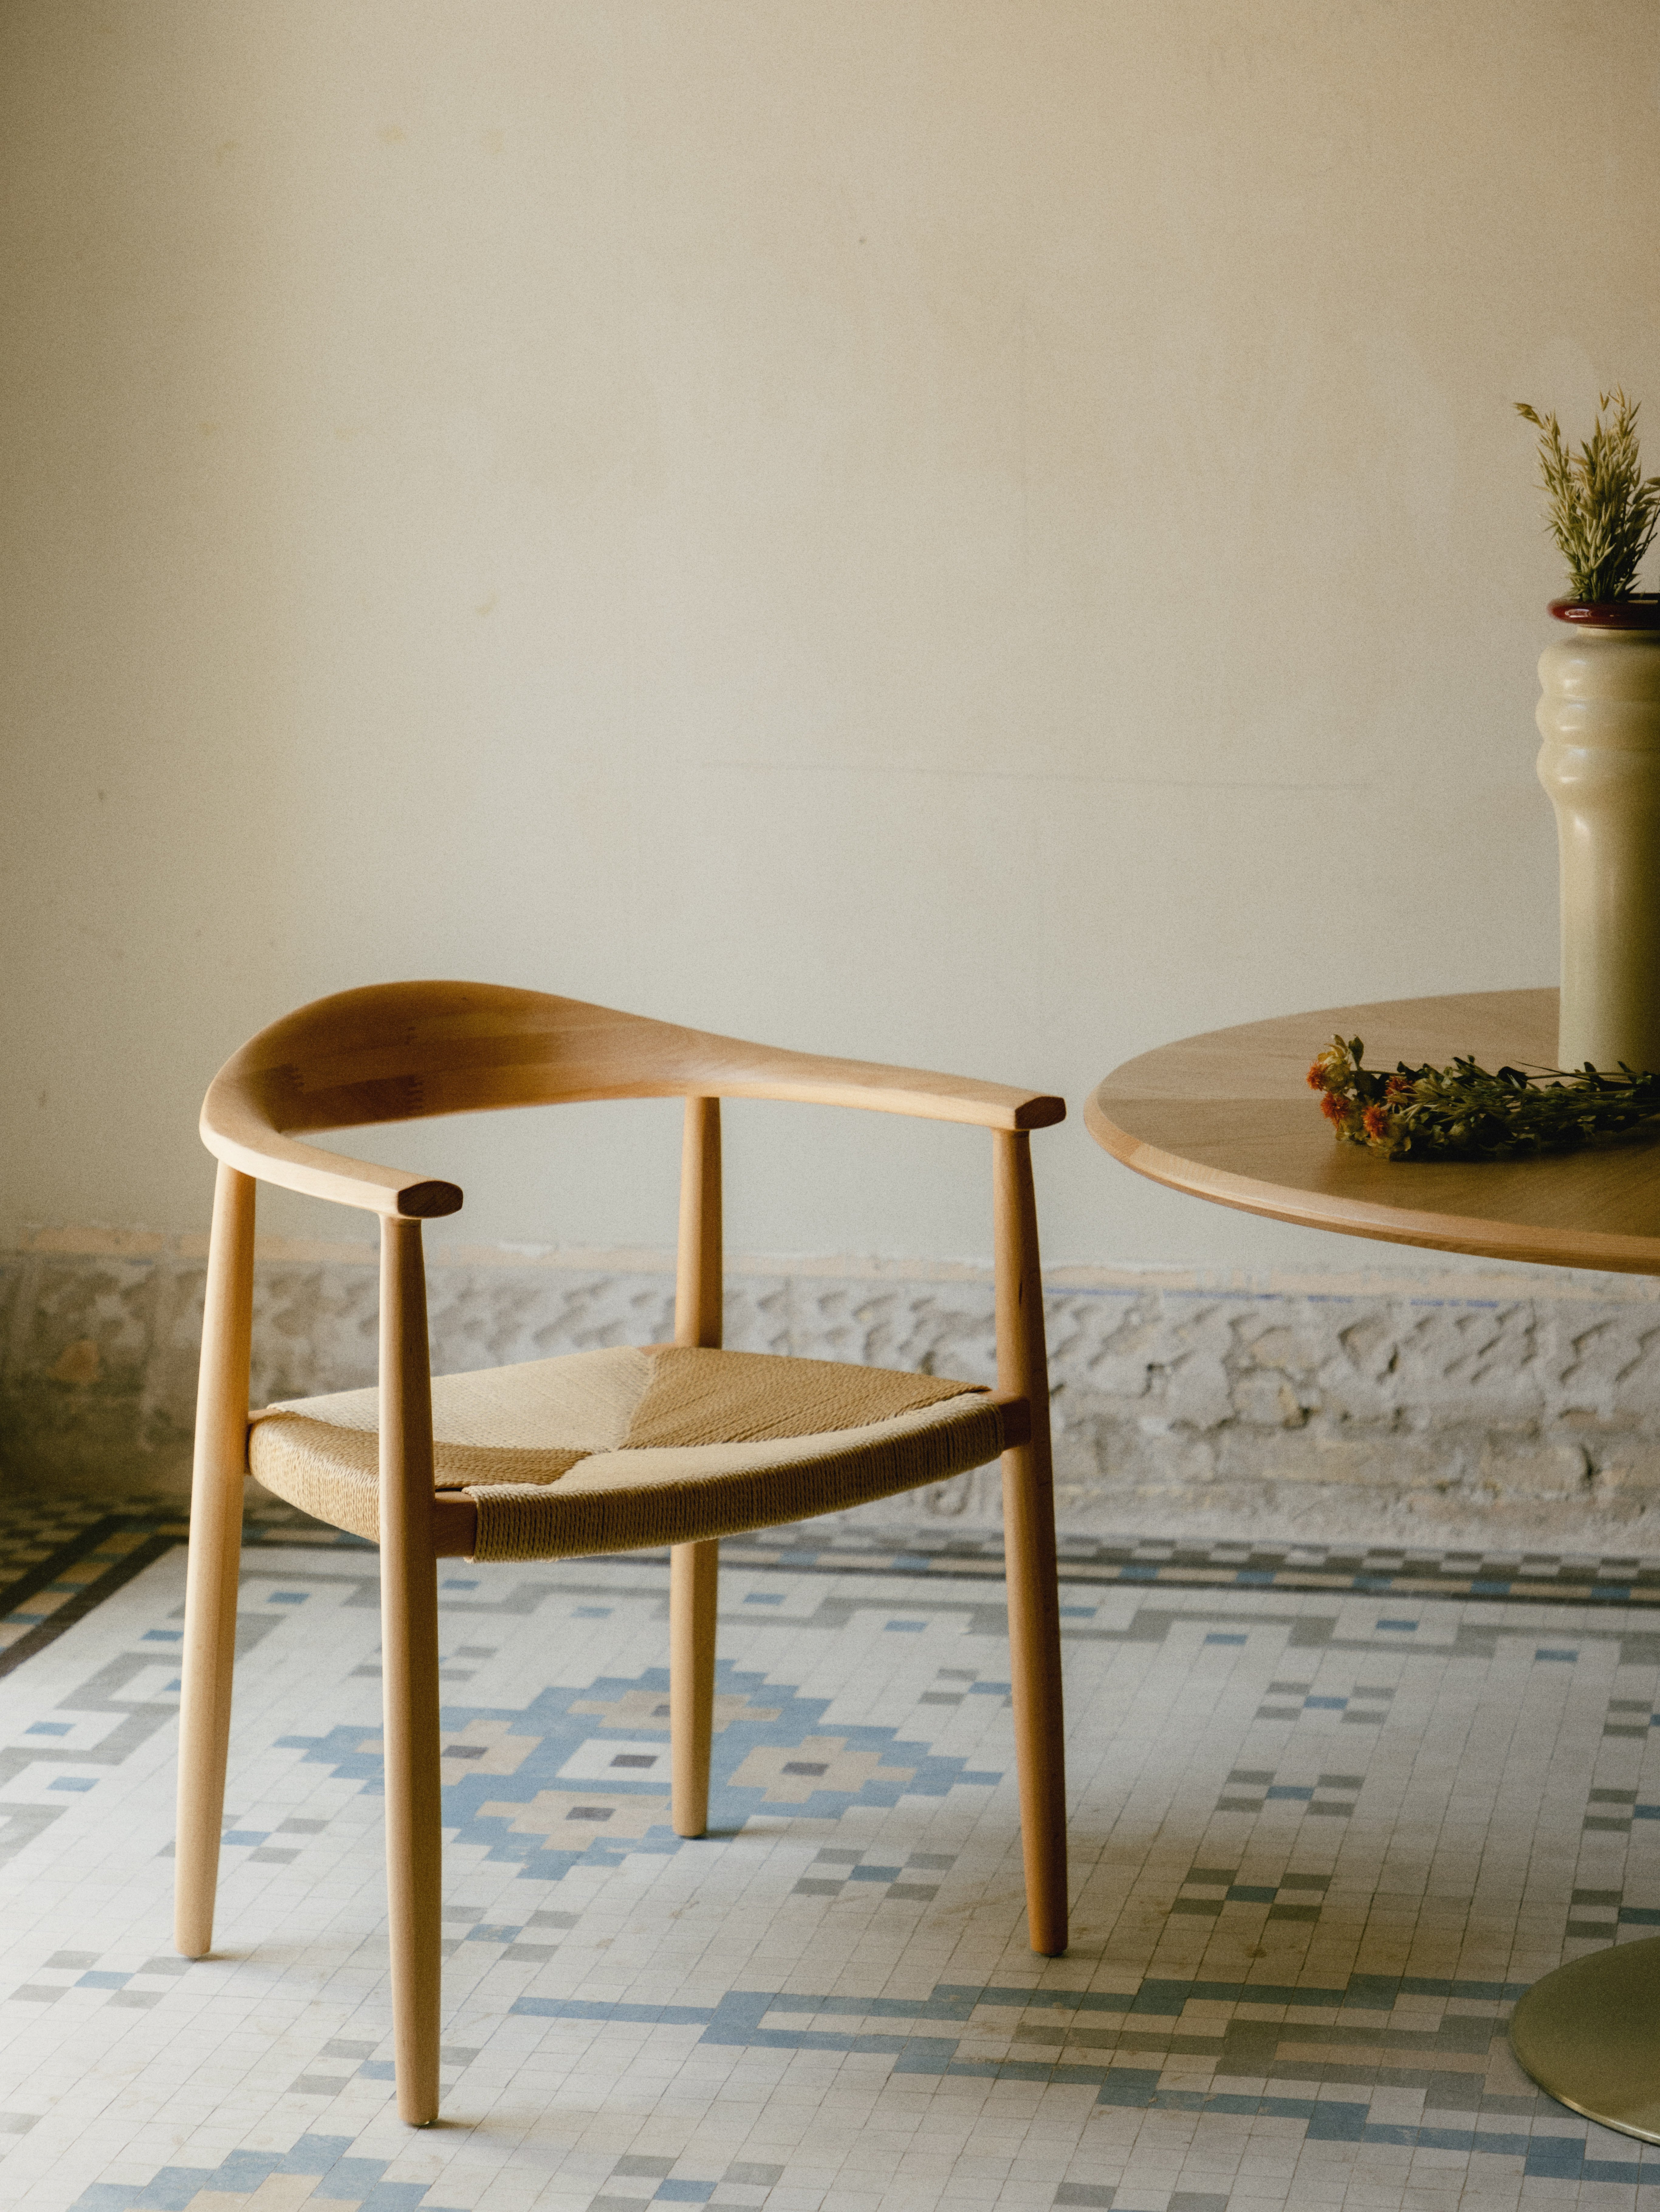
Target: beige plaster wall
pixel 986 534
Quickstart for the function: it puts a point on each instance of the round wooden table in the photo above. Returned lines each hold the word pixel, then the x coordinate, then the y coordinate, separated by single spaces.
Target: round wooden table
pixel 1230 1117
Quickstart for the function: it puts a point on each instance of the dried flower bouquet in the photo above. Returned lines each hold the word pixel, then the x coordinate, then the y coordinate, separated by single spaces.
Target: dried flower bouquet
pixel 1462 1112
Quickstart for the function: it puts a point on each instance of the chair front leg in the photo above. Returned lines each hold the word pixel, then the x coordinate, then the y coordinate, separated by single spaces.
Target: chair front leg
pixel 215 1540
pixel 1034 1683
pixel 1029 1553
pixel 408 1671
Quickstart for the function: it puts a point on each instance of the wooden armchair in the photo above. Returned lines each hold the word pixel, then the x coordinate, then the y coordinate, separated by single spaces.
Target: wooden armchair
pixel 603 1451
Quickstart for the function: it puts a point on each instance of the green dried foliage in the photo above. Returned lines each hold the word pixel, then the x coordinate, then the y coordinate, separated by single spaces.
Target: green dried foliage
pixel 1600 508
pixel 1462 1112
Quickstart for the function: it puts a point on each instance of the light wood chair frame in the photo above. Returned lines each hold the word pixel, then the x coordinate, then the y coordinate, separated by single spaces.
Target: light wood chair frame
pixel 403 1051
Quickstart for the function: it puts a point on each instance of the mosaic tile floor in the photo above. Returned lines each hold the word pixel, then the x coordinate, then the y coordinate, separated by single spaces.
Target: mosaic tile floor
pixel 1324 1832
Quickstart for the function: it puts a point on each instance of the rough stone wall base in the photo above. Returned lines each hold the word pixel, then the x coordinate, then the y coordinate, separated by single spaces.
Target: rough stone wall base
pixel 1429 1407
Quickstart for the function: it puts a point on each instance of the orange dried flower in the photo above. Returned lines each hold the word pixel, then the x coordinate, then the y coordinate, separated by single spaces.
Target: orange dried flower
pixel 1376 1123
pixel 1333 1109
pixel 1330 1068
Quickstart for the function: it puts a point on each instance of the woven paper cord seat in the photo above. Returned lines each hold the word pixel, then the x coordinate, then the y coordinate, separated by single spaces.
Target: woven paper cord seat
pixel 616 1449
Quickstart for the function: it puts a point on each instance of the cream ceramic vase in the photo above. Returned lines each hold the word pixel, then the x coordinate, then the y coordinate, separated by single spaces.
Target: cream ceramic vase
pixel 1599 715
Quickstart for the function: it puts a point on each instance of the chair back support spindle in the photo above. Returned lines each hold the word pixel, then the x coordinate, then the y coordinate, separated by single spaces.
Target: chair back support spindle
pixel 699 1265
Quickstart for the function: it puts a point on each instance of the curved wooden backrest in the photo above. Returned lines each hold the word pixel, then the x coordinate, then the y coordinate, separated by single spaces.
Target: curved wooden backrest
pixel 399 1051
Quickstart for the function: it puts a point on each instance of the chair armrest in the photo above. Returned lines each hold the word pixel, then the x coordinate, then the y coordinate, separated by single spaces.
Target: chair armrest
pixel 238 1134
pixel 760 1072
pixel 401 1051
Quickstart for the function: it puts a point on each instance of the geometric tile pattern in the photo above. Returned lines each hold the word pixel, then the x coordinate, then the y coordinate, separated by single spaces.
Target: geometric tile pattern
pixel 536 1789
pixel 59 1560
pixel 318 2170
pixel 1208 1889
pixel 1329 1796
pixel 57 1579
pixel 832 1872
pixel 1322 1839
pixel 1518 1576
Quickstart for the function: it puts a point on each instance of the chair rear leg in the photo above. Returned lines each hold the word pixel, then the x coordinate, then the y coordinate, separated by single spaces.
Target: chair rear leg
pixel 694 1568
pixel 216 1538
pixel 694 1589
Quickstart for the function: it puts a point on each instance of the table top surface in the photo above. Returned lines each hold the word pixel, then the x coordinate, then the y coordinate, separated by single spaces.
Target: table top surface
pixel 1230 1117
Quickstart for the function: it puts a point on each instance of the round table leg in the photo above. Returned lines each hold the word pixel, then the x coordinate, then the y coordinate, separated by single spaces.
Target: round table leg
pixel 1590 2035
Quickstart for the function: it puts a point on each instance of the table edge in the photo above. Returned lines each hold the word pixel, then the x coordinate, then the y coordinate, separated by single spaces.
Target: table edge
pixel 1389 1225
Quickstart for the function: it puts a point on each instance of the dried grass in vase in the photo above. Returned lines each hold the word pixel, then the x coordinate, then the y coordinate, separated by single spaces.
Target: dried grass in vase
pixel 1599 507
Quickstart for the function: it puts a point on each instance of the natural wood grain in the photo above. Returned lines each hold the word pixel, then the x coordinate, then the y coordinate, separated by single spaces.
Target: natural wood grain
pixel 694 1591
pixel 1028 1550
pixel 1228 1116
pixel 397 1052
pixel 408 1671
pixel 215 1540
pixel 700 1270
pixel 454 1526
pixel 694 1568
